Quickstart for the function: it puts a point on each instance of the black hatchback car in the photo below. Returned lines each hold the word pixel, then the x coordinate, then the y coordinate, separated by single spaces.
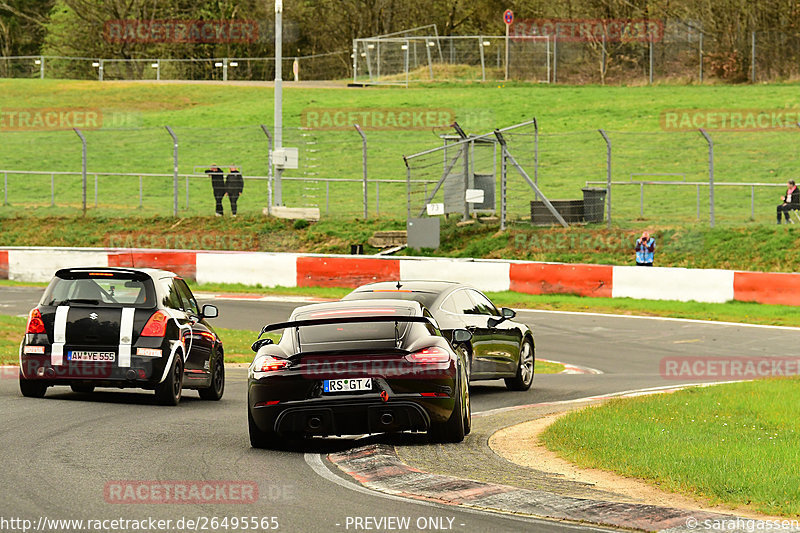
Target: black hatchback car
pixel 121 327
pixel 500 347
pixel 352 368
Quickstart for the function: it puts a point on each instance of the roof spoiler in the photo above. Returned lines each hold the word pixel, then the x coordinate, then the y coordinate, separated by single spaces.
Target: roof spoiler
pixel 345 320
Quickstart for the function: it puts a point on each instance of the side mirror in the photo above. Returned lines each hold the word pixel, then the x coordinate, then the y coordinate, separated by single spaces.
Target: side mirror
pixel 508 313
pixel 210 311
pixel 260 343
pixel 461 336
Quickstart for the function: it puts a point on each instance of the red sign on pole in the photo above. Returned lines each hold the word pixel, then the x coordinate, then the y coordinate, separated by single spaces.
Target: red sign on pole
pixel 508 17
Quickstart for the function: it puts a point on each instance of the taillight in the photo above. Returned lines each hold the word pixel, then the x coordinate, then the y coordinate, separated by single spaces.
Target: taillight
pixel 432 355
pixel 35 322
pixel 267 363
pixel 156 325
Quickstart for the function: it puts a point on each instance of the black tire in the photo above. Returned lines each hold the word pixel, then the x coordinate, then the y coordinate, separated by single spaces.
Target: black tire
pixel 217 387
pixel 453 430
pixel 82 389
pixel 32 388
pixel 465 352
pixel 168 392
pixel 525 368
pixel 258 438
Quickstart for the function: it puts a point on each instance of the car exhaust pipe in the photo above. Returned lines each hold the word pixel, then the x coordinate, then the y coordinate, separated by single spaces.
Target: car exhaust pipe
pixel 314 422
pixel 387 418
pixel 50 373
pixel 130 375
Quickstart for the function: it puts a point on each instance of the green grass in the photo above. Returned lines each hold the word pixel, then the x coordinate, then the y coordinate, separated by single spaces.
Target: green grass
pixel 735 444
pixel 217 123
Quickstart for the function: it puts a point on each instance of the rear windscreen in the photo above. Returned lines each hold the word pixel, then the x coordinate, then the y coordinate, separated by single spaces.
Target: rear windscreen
pixel 425 298
pixel 101 289
pixel 353 333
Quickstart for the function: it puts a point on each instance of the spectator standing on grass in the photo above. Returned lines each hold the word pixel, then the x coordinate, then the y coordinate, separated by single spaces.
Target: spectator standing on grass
pixel 218 186
pixel 645 250
pixel 789 201
pixel 234 184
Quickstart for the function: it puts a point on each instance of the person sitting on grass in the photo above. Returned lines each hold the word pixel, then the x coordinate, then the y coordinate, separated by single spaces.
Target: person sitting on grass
pixel 789 201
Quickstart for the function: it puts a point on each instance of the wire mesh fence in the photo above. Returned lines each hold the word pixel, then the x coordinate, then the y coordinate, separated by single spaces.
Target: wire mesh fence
pixel 656 177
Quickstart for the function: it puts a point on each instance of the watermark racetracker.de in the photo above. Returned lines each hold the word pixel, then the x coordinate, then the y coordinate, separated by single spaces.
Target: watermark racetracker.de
pixel 57 119
pixel 181 31
pixel 590 30
pixel 700 367
pixel 729 119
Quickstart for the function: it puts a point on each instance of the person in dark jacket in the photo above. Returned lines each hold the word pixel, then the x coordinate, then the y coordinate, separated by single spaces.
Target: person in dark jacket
pixel 218 186
pixel 789 201
pixel 234 184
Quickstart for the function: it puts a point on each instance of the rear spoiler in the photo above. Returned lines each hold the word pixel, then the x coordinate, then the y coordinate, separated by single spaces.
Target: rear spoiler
pixel 346 320
pixel 297 324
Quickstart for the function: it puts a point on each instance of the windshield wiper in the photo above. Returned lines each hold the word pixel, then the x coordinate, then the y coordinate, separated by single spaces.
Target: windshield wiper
pixel 77 301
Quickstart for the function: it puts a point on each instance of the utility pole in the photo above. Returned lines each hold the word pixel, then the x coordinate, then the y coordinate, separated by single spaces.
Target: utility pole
pixel 278 126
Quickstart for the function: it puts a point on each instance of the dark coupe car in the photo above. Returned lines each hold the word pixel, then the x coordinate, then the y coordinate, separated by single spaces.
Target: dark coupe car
pixel 121 327
pixel 500 347
pixel 352 368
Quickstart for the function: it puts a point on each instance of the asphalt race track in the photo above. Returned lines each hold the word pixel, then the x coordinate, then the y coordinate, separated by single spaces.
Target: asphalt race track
pixel 66 454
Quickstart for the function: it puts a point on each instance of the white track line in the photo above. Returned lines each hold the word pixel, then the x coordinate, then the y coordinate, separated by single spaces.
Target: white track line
pixel 662 318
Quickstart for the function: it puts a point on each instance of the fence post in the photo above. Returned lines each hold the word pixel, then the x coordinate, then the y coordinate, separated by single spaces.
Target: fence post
pixel 52 190
pixel 483 61
pixel 95 191
pixel 555 58
pixel 5 188
pixel 364 163
pixel 187 193
pixel 710 174
pixel 608 174
pixel 377 198
pixel 752 202
pixel 83 168
pixel 140 192
pixel 651 59
pixel 701 58
pixel 41 67
pixel 408 189
pixel 269 169
pixel 536 155
pixel 753 57
pixel 174 171
pixel 503 176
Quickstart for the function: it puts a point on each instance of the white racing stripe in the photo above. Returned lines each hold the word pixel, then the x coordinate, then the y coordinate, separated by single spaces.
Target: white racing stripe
pixel 59 336
pixel 125 336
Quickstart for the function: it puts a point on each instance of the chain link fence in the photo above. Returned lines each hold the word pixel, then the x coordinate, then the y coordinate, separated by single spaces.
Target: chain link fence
pixel 656 177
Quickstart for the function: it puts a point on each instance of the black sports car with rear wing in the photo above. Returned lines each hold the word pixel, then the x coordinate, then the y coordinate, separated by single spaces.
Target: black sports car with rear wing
pixel 121 327
pixel 352 368
pixel 500 347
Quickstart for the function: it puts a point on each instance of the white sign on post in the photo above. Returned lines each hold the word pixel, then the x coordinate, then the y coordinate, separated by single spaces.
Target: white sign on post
pixel 286 158
pixel 435 209
pixel 474 196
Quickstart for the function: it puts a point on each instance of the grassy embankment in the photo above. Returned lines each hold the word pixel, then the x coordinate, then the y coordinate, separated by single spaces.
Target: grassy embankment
pixel 735 444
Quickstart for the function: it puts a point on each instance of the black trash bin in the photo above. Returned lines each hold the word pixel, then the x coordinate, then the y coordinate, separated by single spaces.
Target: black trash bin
pixel 594 202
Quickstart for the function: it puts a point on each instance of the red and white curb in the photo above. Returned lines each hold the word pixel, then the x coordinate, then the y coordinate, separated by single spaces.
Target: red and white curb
pixel 376 469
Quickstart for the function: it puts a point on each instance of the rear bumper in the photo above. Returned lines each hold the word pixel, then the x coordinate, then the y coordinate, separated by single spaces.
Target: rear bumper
pixel 144 372
pixel 350 415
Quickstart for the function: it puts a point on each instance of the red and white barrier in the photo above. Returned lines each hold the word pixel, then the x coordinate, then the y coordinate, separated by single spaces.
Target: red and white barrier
pixel 309 270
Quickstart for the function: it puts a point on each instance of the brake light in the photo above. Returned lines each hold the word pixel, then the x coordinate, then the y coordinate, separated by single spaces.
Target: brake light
pixel 156 325
pixel 431 355
pixel 267 363
pixel 35 322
